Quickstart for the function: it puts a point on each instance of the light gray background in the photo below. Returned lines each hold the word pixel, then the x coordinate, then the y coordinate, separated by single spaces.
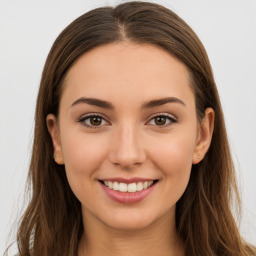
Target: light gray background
pixel 27 31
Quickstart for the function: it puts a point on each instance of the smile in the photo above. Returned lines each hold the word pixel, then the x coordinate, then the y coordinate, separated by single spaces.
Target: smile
pixel 128 191
pixel 130 187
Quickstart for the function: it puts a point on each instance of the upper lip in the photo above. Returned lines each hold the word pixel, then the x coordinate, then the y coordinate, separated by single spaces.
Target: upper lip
pixel 127 181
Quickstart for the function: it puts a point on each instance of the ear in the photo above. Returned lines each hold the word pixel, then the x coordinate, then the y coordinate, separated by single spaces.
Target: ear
pixel 53 128
pixel 204 137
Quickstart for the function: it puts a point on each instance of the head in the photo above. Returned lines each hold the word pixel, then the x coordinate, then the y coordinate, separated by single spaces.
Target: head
pixel 142 26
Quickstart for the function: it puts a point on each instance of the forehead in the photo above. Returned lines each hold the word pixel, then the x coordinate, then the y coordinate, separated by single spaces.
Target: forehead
pixel 126 70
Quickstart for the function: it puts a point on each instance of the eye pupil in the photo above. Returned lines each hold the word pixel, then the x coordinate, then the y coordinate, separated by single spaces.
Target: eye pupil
pixel 160 120
pixel 95 120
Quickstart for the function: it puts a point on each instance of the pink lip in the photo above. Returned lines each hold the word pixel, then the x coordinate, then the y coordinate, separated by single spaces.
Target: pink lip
pixel 127 197
pixel 127 181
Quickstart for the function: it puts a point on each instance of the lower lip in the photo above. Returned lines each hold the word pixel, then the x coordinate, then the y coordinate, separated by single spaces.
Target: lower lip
pixel 128 197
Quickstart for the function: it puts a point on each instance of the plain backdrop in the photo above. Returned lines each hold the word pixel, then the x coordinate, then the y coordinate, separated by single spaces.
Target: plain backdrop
pixel 29 28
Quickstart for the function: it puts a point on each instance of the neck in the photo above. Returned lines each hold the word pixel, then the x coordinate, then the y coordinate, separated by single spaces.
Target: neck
pixel 160 238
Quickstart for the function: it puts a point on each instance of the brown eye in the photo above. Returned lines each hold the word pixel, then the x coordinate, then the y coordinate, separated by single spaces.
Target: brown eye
pixel 93 121
pixel 162 120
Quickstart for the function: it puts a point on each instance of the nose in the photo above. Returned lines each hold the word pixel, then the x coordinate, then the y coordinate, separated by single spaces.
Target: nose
pixel 126 148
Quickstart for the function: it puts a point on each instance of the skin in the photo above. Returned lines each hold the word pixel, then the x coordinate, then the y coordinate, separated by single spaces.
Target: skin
pixel 128 143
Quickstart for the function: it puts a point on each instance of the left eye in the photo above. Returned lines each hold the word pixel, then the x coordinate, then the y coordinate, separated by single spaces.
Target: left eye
pixel 162 120
pixel 93 121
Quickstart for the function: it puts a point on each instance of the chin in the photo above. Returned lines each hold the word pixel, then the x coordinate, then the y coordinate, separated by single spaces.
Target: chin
pixel 129 225
pixel 130 220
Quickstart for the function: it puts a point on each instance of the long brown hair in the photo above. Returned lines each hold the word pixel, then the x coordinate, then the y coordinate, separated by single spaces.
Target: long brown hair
pixel 52 222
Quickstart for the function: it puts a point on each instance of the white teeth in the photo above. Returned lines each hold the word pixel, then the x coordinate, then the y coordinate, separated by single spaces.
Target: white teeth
pixel 145 184
pixel 131 187
pixel 123 187
pixel 139 186
pixel 110 184
pixel 150 183
pixel 115 186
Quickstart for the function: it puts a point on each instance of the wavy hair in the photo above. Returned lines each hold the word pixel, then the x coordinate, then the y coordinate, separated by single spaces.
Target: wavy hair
pixel 52 222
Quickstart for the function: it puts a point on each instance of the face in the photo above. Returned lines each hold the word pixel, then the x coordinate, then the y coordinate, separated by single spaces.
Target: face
pixel 128 134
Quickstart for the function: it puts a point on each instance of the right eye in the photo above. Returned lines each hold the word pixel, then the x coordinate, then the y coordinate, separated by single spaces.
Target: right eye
pixel 93 121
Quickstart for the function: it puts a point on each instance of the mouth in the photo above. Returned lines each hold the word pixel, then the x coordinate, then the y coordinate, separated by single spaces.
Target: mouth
pixel 130 187
pixel 127 191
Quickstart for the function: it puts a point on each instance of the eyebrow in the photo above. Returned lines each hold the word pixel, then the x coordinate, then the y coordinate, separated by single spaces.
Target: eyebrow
pixel 160 102
pixel 108 105
pixel 94 102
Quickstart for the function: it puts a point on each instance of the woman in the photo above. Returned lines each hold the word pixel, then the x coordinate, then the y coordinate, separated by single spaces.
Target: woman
pixel 130 152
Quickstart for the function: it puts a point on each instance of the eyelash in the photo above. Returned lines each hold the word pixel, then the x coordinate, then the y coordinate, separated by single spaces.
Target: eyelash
pixel 83 120
pixel 87 117
pixel 168 117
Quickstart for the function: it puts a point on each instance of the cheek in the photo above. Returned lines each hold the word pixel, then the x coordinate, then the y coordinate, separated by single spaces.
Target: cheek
pixel 175 151
pixel 173 157
pixel 83 152
pixel 83 156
